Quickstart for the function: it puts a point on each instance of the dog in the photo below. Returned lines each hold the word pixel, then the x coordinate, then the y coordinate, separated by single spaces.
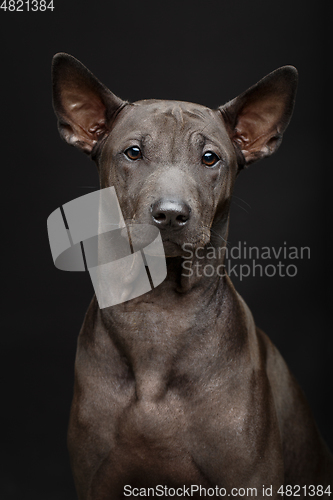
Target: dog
pixel 176 391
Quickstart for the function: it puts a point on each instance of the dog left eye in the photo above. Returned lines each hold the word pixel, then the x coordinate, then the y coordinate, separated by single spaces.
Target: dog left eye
pixel 209 159
pixel 133 153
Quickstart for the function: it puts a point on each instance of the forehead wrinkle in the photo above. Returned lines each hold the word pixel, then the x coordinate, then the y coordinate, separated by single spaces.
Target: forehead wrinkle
pixel 204 139
pixel 195 113
pixel 184 116
pixel 185 130
pixel 177 112
pixel 198 138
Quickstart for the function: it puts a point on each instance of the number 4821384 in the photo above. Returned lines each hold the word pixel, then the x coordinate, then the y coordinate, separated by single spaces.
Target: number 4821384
pixel 27 5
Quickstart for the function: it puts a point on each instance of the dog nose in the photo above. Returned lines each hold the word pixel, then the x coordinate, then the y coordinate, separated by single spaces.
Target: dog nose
pixel 170 213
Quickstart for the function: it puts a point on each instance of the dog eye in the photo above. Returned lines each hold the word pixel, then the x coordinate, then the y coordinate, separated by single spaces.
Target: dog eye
pixel 210 158
pixel 133 153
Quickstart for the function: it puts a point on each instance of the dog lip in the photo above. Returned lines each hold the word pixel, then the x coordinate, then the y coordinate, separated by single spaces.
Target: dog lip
pixel 172 249
pixel 170 229
pixel 170 242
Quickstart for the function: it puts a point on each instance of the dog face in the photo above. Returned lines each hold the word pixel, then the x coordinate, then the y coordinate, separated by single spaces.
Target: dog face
pixel 173 164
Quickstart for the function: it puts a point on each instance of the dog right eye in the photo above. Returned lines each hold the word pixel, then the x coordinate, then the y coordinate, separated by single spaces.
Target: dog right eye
pixel 133 153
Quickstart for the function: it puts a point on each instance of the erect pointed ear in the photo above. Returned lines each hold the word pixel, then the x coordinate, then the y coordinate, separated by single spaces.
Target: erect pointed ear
pixel 85 108
pixel 257 118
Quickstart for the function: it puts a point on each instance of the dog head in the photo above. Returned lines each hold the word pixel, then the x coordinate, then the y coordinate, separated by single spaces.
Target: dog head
pixel 173 164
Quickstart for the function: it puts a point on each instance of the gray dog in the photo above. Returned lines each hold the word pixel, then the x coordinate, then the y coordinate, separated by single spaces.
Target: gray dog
pixel 176 391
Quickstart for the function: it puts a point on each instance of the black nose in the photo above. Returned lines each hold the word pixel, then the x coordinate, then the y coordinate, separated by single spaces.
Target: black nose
pixel 170 213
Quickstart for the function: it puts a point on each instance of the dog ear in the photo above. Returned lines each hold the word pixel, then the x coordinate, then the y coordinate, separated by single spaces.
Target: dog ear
pixel 257 118
pixel 85 108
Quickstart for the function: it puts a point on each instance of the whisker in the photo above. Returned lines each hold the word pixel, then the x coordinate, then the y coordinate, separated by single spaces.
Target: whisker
pixel 241 199
pixel 240 206
pixel 217 234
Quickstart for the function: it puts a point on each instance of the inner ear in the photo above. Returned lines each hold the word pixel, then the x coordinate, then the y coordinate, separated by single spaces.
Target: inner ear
pixel 84 106
pixel 257 119
pixel 258 130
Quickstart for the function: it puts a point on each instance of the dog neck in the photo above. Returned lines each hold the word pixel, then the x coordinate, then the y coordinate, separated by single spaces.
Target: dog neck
pixel 206 321
pixel 196 286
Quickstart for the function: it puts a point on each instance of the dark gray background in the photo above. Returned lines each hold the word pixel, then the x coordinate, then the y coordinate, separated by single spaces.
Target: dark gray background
pixel 207 53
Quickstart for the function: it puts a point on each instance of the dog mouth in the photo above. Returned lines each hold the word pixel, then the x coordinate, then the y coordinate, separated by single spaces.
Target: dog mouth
pixel 174 248
pixel 176 241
